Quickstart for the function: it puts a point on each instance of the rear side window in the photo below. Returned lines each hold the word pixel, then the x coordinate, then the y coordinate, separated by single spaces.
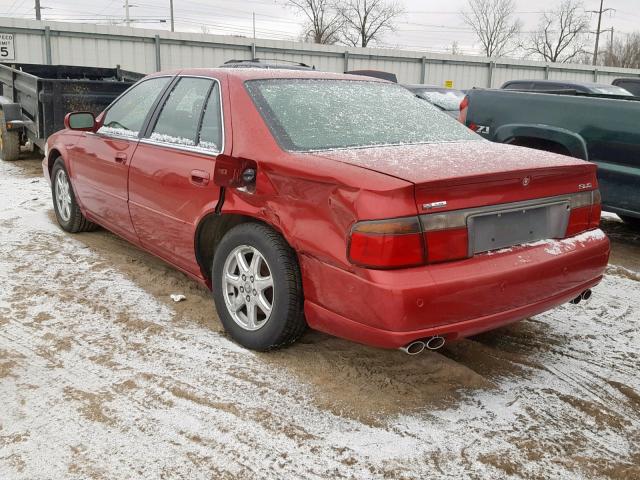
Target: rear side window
pixel 211 129
pixel 126 116
pixel 180 115
pixel 545 87
pixel 517 86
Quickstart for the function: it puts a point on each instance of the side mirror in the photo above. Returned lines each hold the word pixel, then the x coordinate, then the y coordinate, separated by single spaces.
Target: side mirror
pixel 234 172
pixel 83 121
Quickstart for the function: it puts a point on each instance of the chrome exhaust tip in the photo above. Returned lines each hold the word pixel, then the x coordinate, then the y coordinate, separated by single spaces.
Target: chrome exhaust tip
pixel 586 295
pixel 413 348
pixel 434 343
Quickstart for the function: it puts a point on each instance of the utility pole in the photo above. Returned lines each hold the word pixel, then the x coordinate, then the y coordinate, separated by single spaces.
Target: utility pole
pixel 171 9
pixel 598 31
pixel 127 18
pixel 254 27
pixel 38 15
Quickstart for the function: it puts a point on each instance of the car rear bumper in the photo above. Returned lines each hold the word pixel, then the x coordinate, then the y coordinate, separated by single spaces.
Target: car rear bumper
pixel 392 308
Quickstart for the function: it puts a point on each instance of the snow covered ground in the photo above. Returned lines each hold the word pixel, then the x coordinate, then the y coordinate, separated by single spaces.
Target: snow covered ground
pixel 103 375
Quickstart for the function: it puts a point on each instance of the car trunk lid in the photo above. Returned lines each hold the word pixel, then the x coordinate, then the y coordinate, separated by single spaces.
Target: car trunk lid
pixel 483 173
pixel 478 196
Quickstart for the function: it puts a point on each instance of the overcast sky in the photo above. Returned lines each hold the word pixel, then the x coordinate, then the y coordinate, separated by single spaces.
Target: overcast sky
pixel 430 25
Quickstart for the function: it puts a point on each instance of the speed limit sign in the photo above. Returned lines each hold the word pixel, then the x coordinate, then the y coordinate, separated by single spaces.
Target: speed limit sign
pixel 7 52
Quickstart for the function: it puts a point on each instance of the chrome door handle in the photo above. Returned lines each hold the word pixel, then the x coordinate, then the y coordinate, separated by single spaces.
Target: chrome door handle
pixel 121 157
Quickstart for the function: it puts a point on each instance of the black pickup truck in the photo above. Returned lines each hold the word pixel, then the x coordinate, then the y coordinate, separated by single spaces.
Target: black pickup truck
pixel 603 129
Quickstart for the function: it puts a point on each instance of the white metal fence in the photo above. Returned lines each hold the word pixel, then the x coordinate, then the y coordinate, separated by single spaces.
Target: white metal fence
pixel 147 51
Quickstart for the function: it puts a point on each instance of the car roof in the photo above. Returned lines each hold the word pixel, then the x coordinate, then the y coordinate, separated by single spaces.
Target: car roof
pixel 266 63
pixel 568 83
pixel 266 73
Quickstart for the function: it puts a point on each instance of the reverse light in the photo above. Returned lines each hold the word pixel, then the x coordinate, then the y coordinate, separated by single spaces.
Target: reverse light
pixel 585 212
pixel 393 243
pixel 446 236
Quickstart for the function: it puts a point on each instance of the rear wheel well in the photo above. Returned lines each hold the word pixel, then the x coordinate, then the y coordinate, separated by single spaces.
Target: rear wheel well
pixel 210 231
pixel 540 144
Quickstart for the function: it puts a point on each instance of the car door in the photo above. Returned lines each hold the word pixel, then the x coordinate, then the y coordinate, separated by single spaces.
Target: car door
pixel 171 176
pixel 100 166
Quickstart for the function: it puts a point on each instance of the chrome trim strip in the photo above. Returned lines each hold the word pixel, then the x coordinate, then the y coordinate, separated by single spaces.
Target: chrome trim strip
pixel 187 148
pixel 573 200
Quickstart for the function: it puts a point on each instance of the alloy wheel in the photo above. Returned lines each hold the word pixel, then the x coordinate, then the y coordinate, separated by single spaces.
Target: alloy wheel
pixel 63 195
pixel 248 287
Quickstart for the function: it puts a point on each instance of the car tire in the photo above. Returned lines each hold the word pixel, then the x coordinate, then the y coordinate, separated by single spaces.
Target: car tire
pixel 9 142
pixel 66 207
pixel 241 289
pixel 633 222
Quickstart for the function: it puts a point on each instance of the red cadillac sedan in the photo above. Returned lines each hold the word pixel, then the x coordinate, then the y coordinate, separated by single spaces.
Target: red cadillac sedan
pixel 337 202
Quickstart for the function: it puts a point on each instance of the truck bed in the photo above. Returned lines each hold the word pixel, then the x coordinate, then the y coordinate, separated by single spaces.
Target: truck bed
pixel 37 97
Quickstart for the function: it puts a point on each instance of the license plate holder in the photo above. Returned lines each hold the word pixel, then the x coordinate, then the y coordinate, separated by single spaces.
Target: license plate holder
pixel 506 228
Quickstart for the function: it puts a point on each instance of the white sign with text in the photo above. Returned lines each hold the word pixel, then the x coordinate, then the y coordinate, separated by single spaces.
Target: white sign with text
pixel 7 51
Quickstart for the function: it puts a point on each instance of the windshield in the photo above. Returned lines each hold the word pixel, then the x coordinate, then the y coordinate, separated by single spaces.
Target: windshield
pixel 318 114
pixel 446 99
pixel 611 90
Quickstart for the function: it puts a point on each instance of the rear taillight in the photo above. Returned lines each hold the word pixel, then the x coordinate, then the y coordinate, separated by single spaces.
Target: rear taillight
pixel 446 236
pixel 464 106
pixel 585 212
pixel 409 242
pixel 391 243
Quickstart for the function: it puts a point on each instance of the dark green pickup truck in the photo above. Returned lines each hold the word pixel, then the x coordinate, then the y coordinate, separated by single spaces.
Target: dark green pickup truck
pixel 602 129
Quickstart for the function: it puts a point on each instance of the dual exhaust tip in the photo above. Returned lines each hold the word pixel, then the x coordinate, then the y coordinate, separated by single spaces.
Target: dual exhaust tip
pixel 414 348
pixel 436 342
pixel 586 295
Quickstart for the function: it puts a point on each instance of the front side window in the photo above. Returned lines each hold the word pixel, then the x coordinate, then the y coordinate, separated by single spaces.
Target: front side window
pixel 319 114
pixel 180 116
pixel 127 115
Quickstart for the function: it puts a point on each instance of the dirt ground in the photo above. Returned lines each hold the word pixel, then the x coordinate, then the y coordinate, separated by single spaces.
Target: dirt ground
pixel 102 375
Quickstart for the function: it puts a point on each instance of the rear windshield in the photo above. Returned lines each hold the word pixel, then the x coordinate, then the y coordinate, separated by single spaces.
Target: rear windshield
pixel 319 114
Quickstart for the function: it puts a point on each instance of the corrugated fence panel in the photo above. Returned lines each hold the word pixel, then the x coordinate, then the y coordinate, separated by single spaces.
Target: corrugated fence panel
pixel 504 73
pixel 29 48
pixel 147 51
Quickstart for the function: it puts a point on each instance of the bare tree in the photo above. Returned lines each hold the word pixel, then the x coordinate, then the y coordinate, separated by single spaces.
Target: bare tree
pixel 455 48
pixel 323 22
pixel 491 20
pixel 624 53
pixel 365 21
pixel 562 33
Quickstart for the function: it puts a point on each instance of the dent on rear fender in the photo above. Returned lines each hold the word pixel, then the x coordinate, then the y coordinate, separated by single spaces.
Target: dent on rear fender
pixel 313 216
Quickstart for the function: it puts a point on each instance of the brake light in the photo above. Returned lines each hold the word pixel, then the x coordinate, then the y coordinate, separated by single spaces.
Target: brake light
pixel 585 212
pixel 409 242
pixel 464 106
pixel 391 243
